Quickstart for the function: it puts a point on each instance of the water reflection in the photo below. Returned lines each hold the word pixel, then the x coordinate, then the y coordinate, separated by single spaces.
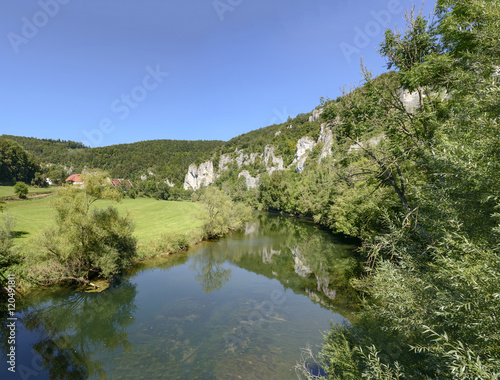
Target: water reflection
pixel 209 264
pixel 301 256
pixel 170 315
pixel 72 329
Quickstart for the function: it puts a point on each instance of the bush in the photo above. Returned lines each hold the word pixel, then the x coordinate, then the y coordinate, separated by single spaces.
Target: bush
pixel 21 190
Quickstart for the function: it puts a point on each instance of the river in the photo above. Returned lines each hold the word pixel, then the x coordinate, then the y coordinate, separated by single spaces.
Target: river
pixel 241 307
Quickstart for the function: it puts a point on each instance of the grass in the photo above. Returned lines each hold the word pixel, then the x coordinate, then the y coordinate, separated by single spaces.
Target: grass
pixel 152 218
pixel 8 191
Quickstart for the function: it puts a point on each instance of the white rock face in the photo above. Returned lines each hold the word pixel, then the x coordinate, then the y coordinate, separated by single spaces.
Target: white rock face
pixel 304 145
pixel 70 170
pixel 410 99
pixel 252 182
pixel 315 115
pixel 300 267
pixel 224 161
pixel 170 184
pixel 323 284
pixel 277 133
pixel 242 158
pixel 198 177
pixel 271 161
pixel 325 137
pixel 253 157
pixel 267 255
pixel 312 296
pixel 370 143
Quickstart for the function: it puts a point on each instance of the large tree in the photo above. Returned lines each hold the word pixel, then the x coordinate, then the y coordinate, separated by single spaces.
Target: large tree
pixel 15 163
pixel 87 241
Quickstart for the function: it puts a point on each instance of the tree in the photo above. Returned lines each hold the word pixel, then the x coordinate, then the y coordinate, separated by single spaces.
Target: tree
pixel 21 190
pixel 220 213
pixel 15 163
pixel 7 255
pixel 432 299
pixel 88 241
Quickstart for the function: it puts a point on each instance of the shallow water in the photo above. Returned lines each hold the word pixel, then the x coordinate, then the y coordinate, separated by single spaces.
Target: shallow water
pixel 239 308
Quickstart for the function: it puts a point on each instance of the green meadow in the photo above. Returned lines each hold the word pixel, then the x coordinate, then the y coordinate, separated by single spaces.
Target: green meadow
pixel 8 191
pixel 152 218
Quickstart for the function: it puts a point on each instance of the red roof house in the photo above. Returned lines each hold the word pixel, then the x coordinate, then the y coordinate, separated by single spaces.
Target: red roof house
pixel 74 179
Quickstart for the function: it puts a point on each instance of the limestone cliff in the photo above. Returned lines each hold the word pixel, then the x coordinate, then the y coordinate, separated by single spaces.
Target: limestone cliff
pixel 325 137
pixel 271 161
pixel 304 145
pixel 197 177
pixel 252 182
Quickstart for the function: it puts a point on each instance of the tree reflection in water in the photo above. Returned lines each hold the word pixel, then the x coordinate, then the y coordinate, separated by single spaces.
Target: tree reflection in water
pixel 73 328
pixel 209 265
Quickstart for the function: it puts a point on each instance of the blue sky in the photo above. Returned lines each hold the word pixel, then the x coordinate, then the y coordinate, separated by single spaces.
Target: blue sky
pixel 118 71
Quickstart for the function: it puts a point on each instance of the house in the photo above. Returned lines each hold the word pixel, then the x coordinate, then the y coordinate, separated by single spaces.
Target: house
pixel 75 179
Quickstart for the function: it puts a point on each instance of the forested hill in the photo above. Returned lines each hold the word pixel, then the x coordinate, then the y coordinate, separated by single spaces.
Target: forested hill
pixel 168 159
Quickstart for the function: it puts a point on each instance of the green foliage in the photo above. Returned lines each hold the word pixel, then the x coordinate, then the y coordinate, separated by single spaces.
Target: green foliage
pixel 7 255
pixel 21 189
pixel 220 213
pixel 87 242
pixel 167 159
pixel 432 290
pixel 15 163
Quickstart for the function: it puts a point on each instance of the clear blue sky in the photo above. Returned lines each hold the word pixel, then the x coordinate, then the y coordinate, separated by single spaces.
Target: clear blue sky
pixel 96 70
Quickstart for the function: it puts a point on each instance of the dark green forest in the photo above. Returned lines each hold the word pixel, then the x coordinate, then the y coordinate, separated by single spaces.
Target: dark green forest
pixel 167 159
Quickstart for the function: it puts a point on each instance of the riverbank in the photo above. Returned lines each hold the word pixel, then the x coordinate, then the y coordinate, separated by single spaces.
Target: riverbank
pixel 161 228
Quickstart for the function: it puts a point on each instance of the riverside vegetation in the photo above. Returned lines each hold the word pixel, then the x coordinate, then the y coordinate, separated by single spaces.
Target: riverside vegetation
pixel 419 186
pixel 87 241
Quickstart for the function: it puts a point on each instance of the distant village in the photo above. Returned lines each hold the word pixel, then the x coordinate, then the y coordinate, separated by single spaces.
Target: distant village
pixel 76 180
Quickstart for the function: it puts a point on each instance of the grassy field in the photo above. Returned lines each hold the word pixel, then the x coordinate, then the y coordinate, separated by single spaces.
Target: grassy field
pixel 8 191
pixel 152 217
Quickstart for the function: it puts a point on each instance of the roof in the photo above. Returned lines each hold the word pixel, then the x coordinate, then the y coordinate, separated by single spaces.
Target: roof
pixel 74 178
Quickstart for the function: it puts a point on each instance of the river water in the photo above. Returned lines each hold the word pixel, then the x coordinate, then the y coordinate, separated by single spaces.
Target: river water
pixel 242 307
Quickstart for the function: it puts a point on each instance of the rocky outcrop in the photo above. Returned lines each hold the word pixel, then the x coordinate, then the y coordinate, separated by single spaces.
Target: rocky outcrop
pixel 304 145
pixel 169 184
pixel 325 137
pixel 149 174
pixel 252 182
pixel 241 159
pixel 271 161
pixel 315 115
pixel 370 143
pixel 197 177
pixel 224 161
pixel 253 157
pixel 409 99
